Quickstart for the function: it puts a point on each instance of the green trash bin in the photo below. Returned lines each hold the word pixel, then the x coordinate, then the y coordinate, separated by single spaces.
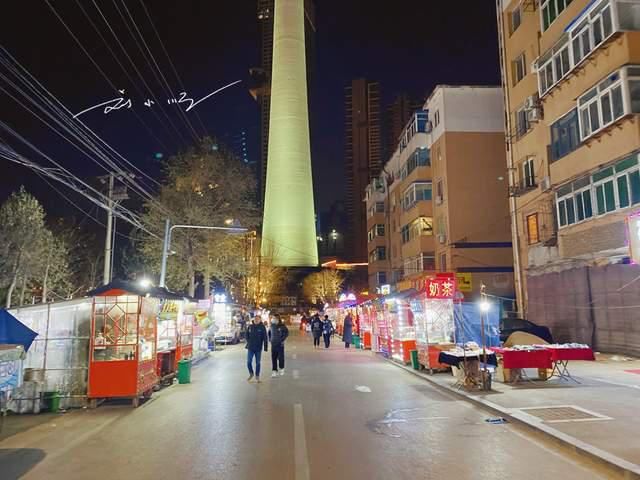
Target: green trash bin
pixel 414 360
pixel 52 401
pixel 356 341
pixel 184 371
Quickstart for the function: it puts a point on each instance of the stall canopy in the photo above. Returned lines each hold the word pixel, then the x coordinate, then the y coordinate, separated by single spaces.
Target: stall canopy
pixel 123 287
pixel 14 332
pixel 468 323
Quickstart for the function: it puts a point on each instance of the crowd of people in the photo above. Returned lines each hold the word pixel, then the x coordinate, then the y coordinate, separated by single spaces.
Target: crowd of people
pixel 259 333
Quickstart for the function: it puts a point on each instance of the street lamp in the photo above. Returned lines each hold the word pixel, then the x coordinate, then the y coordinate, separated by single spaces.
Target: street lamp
pixel 334 237
pixel 168 229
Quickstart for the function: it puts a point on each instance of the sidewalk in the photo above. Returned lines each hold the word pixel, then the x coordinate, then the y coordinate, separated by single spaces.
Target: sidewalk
pixel 599 417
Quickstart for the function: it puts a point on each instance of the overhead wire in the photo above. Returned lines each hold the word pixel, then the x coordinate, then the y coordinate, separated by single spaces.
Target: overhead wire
pixel 166 53
pixel 126 72
pixel 155 63
pixel 135 67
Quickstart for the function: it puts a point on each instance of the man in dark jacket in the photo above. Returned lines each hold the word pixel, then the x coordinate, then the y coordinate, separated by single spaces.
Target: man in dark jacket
pixel 316 330
pixel 256 341
pixel 278 333
pixel 327 331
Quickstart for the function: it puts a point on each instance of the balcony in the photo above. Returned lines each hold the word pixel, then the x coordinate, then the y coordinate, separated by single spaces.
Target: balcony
pixel 524 186
pixel 591 31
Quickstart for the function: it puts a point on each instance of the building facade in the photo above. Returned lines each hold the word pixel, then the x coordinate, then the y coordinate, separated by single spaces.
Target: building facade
pixel 572 94
pixel 363 159
pixel 440 204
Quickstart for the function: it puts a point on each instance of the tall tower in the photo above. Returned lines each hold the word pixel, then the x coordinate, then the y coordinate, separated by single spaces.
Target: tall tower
pixel 363 159
pixel 288 231
pixel 266 10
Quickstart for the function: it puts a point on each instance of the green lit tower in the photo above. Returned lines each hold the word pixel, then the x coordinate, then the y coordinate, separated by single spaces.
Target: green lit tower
pixel 288 230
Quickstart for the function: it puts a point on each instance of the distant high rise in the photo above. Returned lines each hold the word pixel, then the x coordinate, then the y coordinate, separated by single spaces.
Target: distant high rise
pixel 237 143
pixel 363 159
pixel 397 115
pixel 266 10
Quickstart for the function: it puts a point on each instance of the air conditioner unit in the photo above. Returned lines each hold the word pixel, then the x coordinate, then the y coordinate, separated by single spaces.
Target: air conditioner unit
pixel 438 199
pixel 534 115
pixel 442 238
pixel 532 102
pixel 545 184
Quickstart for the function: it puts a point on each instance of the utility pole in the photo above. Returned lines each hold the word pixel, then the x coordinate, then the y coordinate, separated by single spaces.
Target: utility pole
pixel 108 245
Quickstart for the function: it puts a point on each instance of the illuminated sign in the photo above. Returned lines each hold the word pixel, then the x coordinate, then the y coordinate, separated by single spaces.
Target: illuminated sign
pixel 220 298
pixel 442 288
pixel 347 297
pixel 464 282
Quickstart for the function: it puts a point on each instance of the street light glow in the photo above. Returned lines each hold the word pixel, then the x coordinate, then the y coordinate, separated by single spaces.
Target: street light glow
pixel 144 282
pixel 485 306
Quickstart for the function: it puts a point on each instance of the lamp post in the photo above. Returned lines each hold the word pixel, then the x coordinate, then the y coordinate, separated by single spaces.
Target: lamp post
pixel 334 237
pixel 168 229
pixel 485 306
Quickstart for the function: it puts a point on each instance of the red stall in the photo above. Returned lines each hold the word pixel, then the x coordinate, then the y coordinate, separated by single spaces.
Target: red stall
pixel 401 328
pixel 122 360
pixel 186 321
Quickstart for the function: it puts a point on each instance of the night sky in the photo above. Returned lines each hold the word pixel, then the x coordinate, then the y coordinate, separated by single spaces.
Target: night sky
pixel 408 46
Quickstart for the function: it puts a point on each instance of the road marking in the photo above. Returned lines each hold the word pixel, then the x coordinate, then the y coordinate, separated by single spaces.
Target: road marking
pixel 363 389
pixel 296 374
pixel 300 442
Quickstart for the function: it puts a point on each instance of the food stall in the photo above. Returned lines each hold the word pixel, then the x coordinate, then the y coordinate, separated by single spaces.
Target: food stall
pixel 401 327
pixel 367 315
pixel 434 318
pixel 186 321
pixel 167 339
pixel 123 345
pixel 381 328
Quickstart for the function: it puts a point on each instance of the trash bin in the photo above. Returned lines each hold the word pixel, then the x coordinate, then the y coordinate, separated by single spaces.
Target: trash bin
pixel 356 341
pixel 184 371
pixel 414 360
pixel 52 401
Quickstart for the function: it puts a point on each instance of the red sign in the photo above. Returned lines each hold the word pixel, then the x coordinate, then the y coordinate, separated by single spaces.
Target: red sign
pixel 442 288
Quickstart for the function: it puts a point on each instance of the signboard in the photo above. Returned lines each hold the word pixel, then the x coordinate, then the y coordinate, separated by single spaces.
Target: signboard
pixel 441 288
pixel 464 282
pixel 347 297
pixel 633 234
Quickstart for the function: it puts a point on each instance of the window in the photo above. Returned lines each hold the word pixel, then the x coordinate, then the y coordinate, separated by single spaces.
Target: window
pixel 604 191
pixel 533 233
pixel 379 207
pixel 605 103
pixel 436 119
pixel 381 278
pixel 418 124
pixel 522 122
pixel 553 66
pixel 518 69
pixel 550 10
pixel 565 136
pixel 527 173
pixel 591 32
pixel 377 254
pixel 420 227
pixel 421 263
pixel 417 192
pixel 440 190
pixel 516 18
pixel 380 230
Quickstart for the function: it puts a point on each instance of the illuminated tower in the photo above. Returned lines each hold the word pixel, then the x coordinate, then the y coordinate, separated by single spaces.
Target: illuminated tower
pixel 288 231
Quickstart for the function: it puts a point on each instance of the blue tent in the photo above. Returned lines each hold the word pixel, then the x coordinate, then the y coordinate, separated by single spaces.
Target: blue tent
pixel 14 332
pixel 468 325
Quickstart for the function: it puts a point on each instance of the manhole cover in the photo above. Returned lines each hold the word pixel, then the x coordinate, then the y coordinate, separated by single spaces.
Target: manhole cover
pixel 563 413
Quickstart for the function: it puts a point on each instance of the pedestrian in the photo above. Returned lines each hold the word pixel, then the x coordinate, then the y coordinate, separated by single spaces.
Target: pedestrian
pixel 347 330
pixel 316 330
pixel 278 333
pixel 256 341
pixel 327 331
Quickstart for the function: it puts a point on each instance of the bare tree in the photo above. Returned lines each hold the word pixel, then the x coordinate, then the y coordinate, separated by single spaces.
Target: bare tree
pixel 323 286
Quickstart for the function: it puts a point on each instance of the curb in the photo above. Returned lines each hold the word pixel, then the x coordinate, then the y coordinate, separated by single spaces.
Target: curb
pixel 623 468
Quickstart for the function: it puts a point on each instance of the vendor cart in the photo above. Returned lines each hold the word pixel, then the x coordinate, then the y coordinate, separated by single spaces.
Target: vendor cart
pixel 184 349
pixel 401 329
pixel 11 357
pixel 123 361
pixel 167 339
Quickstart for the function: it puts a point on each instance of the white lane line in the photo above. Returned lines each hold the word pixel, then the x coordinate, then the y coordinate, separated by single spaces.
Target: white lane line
pixel 296 374
pixel 300 444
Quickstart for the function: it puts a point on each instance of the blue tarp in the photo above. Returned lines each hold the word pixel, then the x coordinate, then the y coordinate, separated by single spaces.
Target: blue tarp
pixel 14 332
pixel 468 324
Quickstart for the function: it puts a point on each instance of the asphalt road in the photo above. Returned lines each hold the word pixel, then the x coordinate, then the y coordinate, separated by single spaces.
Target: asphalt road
pixel 336 414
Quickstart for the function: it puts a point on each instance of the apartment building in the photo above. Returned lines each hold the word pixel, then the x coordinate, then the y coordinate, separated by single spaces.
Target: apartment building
pixel 571 75
pixel 440 204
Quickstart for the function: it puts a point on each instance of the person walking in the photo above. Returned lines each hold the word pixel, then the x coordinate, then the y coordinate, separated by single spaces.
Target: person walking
pixel 256 341
pixel 347 330
pixel 278 333
pixel 327 331
pixel 316 330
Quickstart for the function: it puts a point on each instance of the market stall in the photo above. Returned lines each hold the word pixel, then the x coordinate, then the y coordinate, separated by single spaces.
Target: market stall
pixel 367 316
pixel 434 321
pixel 11 357
pixel 122 353
pixel 167 339
pixel 401 327
pixel 381 331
